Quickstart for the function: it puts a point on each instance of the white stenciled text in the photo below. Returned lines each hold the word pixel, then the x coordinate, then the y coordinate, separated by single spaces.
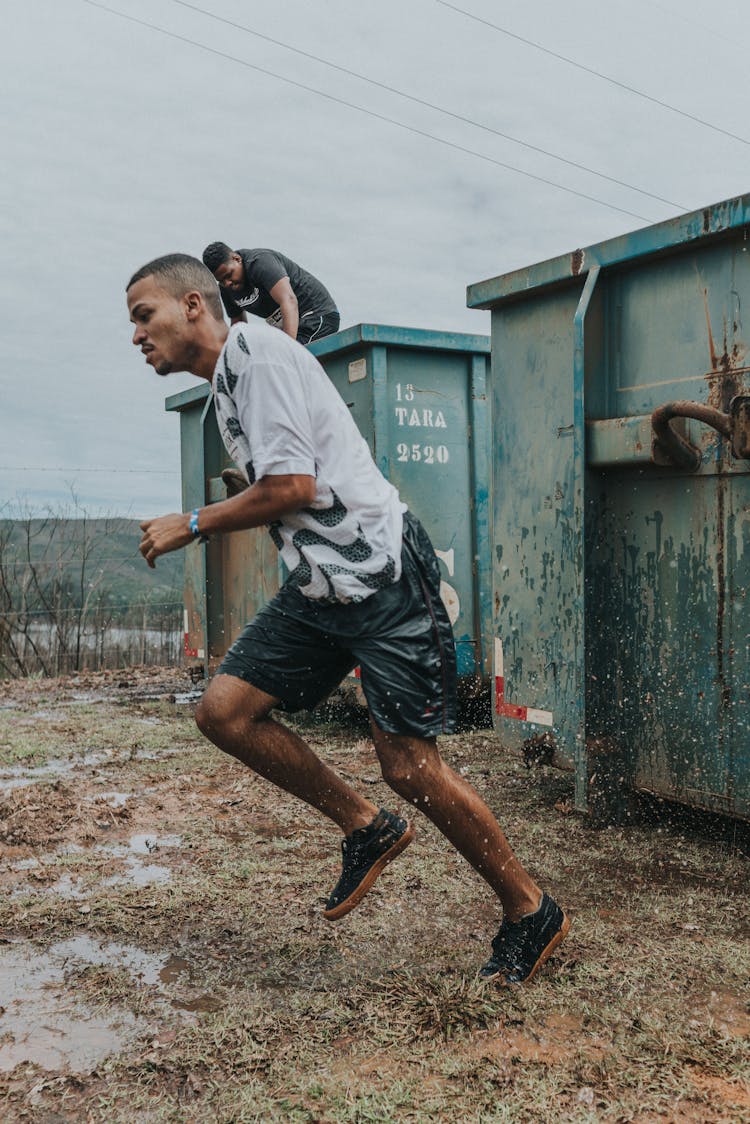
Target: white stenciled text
pixel 417 418
pixel 428 454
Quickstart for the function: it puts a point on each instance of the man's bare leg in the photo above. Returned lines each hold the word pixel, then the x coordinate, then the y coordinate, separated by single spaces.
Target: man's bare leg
pixel 415 770
pixel 235 716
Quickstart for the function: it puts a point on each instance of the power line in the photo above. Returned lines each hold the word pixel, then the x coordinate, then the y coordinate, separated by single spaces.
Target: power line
pixel 590 70
pixel 427 104
pixel 361 109
pixel 110 471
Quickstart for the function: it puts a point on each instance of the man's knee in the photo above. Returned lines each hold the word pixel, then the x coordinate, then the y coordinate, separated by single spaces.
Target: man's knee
pixel 209 717
pixel 410 766
pixel 229 708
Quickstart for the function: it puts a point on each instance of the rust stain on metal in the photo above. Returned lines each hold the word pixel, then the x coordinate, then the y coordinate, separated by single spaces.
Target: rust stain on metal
pixel 576 262
pixel 726 377
pixel 711 347
pixel 723 678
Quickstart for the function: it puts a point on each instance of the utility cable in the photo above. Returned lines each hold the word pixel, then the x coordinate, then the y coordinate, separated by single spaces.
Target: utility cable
pixel 428 104
pixel 111 471
pixel 596 73
pixel 362 109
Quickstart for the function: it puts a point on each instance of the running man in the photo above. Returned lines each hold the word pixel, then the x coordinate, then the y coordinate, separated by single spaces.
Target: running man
pixel 363 589
pixel 268 284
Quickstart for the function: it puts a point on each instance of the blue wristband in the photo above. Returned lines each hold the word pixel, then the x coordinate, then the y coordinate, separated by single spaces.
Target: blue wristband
pixel 194 528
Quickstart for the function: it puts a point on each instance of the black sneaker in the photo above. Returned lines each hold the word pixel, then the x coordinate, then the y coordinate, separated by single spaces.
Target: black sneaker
pixel 364 854
pixel 521 947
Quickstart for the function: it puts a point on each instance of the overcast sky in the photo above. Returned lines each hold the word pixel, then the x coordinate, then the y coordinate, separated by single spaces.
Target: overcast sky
pixel 120 143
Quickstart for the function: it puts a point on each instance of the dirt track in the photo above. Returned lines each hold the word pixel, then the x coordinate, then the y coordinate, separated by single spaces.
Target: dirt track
pixel 163 955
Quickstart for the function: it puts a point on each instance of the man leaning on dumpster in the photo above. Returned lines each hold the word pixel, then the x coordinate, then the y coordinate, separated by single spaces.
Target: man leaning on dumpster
pixel 268 284
pixel 363 589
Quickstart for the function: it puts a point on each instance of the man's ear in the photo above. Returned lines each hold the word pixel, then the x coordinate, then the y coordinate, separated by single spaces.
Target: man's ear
pixel 194 304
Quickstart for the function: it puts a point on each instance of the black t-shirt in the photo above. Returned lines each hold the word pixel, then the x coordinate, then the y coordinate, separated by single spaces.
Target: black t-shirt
pixel 263 268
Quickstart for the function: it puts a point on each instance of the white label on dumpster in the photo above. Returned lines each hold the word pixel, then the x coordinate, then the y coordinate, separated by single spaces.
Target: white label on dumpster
pixel 448 594
pixel 450 599
pixel 357 370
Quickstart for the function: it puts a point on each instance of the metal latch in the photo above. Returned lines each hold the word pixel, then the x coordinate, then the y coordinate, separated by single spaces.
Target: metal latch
pixel 670 447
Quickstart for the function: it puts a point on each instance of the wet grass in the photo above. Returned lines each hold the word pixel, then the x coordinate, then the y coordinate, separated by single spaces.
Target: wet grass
pixel 58 731
pixel 269 1013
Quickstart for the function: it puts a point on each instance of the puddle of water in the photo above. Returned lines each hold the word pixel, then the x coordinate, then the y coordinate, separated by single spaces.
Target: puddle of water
pixel 182 698
pixel 149 844
pixel 20 776
pixel 173 968
pixel 145 966
pixel 68 887
pixel 137 872
pixel 40 1020
pixel 141 875
pixel 46 858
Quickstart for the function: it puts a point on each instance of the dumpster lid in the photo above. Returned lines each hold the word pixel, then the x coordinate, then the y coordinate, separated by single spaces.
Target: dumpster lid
pixel 720 218
pixel 390 335
pixel 185 398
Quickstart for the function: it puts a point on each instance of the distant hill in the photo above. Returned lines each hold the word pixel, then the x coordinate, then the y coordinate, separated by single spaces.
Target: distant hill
pixel 89 554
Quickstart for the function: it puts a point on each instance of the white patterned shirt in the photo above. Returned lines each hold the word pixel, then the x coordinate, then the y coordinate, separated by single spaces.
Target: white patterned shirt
pixel 279 414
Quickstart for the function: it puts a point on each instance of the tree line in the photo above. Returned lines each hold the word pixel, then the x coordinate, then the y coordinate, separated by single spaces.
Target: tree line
pixel 75 594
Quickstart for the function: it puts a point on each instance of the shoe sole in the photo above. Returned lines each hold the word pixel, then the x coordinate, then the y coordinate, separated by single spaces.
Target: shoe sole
pixel 557 940
pixel 371 877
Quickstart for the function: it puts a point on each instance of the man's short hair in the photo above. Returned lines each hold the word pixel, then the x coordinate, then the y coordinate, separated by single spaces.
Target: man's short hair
pixel 180 274
pixel 216 254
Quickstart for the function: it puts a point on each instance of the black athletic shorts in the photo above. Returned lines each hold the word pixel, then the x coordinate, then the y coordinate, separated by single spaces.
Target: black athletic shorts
pixel 298 650
pixel 315 325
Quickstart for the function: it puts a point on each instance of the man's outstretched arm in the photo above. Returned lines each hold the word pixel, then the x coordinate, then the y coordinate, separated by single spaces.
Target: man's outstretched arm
pixel 283 293
pixel 266 500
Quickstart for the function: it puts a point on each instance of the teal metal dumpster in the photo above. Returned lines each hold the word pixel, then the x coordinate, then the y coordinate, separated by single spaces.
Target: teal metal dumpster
pixel 621 520
pixel 419 399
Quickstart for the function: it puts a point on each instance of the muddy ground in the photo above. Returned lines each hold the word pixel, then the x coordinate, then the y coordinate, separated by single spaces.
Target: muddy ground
pixel 163 956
